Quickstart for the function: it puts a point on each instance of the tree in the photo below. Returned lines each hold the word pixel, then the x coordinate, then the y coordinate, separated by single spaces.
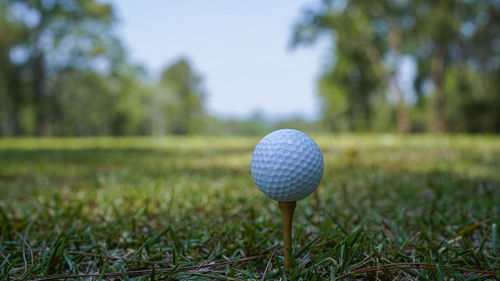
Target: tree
pixel 185 108
pixel 436 31
pixel 457 50
pixel 91 103
pixel 61 35
pixel 453 42
pixel 364 34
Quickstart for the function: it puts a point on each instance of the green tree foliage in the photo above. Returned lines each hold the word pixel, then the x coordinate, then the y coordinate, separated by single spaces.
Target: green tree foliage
pixel 356 73
pixel 62 35
pixel 339 98
pixel 99 105
pixel 63 72
pixel 185 105
pixel 457 48
pixel 453 43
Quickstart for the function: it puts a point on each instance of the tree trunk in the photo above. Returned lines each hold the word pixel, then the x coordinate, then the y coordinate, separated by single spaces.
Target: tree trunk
pixel 4 109
pixel 16 124
pixel 41 106
pixel 395 39
pixel 401 113
pixel 437 72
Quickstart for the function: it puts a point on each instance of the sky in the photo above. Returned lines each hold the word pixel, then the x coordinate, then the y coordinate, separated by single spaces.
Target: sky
pixel 241 49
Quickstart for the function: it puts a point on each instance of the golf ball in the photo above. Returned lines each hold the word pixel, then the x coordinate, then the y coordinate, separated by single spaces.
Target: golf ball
pixel 287 165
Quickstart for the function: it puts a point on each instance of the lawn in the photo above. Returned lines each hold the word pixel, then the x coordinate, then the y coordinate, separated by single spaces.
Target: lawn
pixel 388 208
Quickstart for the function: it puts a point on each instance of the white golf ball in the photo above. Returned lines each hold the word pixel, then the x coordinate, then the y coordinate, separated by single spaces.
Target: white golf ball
pixel 287 165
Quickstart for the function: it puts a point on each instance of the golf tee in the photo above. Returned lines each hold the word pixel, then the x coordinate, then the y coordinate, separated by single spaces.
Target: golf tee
pixel 287 209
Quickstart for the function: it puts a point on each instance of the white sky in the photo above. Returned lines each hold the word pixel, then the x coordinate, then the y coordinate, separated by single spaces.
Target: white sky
pixel 239 47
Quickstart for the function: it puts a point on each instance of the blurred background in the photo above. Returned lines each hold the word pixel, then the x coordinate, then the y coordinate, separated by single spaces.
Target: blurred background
pixel 79 68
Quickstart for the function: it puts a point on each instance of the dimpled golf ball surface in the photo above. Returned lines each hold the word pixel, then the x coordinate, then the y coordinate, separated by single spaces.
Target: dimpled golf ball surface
pixel 287 165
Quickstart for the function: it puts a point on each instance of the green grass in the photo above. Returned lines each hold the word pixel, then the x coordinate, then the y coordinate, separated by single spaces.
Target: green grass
pixel 388 208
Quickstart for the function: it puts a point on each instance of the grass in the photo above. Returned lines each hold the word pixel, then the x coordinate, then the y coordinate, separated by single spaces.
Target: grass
pixel 388 208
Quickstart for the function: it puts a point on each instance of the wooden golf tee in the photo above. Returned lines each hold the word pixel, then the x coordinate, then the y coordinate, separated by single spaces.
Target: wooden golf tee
pixel 287 209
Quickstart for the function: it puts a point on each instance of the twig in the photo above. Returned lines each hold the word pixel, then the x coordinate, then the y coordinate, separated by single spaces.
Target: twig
pixel 4 257
pixel 363 262
pixel 385 267
pixel 205 262
pixel 267 266
pixel 99 255
pixel 149 271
